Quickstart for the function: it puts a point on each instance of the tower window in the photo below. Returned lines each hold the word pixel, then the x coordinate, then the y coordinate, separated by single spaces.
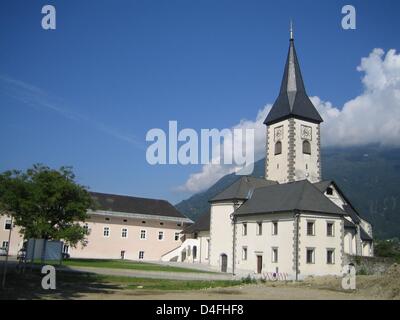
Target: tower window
pixel 306 147
pixel 278 148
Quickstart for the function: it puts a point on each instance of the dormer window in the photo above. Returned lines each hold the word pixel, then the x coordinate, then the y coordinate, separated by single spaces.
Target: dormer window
pixel 329 191
pixel 278 148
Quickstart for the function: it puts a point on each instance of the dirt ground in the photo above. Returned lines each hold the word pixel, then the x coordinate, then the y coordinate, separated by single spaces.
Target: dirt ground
pixel 386 286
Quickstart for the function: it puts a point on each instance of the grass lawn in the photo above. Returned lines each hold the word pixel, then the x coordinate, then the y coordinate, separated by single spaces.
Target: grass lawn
pixel 72 285
pixel 125 264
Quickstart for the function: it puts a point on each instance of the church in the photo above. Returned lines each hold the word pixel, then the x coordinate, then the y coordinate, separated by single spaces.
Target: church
pixel 290 224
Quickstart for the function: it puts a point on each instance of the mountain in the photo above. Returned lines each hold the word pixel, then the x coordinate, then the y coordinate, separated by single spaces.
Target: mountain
pixel 369 176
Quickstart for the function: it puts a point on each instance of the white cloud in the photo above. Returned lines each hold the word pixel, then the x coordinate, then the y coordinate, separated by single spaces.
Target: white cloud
pixel 372 117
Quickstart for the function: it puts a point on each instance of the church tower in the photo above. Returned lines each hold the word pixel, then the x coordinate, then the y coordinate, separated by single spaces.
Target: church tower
pixel 293 129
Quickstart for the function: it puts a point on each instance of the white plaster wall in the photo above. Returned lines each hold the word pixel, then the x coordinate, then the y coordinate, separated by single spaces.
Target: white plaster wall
pixel 263 244
pixel 221 231
pixel 321 242
pixel 277 168
pixel 306 166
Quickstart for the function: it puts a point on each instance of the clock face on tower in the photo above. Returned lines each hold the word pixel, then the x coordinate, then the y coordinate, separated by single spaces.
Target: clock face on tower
pixel 278 133
pixel 306 132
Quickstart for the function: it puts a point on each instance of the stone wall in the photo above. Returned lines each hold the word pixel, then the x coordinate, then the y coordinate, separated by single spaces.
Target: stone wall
pixel 369 265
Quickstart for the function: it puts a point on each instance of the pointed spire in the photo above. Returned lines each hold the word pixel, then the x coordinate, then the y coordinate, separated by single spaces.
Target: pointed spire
pixel 293 100
pixel 291 30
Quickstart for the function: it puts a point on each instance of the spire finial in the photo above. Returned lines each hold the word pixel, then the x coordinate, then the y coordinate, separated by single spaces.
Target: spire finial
pixel 291 30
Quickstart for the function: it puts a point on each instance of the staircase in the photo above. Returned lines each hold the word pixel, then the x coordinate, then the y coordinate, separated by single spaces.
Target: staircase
pixel 176 254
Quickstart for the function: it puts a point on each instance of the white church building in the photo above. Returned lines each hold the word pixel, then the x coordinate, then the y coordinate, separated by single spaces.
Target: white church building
pixel 291 224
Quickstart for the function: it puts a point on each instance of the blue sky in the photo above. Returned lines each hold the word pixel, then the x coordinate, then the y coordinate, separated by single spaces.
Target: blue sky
pixel 86 94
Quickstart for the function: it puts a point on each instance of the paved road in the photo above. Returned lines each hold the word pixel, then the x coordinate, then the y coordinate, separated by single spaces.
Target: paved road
pixel 140 273
pixel 151 274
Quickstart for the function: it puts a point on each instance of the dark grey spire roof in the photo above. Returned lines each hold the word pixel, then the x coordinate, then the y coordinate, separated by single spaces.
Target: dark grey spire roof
pixel 242 189
pixel 292 100
pixel 300 195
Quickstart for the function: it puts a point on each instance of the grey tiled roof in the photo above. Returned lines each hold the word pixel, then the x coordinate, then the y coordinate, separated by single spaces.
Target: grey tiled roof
pixel 293 100
pixel 300 195
pixel 134 205
pixel 201 224
pixel 242 189
pixel 364 235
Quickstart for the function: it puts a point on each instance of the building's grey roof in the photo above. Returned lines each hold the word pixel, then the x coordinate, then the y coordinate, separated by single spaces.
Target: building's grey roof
pixel 134 205
pixel 348 208
pixel 364 235
pixel 300 195
pixel 323 185
pixel 201 224
pixel 348 224
pixel 242 189
pixel 293 100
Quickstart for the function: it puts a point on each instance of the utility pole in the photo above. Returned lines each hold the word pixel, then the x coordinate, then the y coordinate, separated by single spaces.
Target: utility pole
pixel 3 282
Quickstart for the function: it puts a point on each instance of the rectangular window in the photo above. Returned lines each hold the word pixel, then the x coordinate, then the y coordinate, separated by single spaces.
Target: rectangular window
pixel 330 230
pixel 161 235
pixel 310 256
pixel 274 228
pixel 208 249
pixel 4 245
pixel 142 234
pixel 275 255
pixel 244 229
pixel 177 236
pixel 330 256
pixel 244 253
pixel 7 224
pixel 311 228
pixel 141 255
pixel 259 228
pixel 65 248
pixel 106 232
pixel 124 233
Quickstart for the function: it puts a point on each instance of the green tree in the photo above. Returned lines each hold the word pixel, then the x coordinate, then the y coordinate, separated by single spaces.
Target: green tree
pixel 46 203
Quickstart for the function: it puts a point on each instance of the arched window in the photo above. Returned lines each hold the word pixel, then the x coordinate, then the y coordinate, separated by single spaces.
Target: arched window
pixel 306 147
pixel 194 252
pixel 278 148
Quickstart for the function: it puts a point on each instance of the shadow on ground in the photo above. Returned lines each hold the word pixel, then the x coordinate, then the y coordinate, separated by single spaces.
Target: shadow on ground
pixel 69 285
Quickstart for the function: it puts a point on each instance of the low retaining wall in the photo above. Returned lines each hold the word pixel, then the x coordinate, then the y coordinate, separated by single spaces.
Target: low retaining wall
pixel 369 265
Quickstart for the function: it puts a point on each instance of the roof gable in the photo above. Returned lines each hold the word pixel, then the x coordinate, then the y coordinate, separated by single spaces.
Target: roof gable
pixel 300 195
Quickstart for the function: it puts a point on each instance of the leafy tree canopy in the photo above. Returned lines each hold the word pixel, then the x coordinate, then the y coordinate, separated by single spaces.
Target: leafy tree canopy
pixel 46 203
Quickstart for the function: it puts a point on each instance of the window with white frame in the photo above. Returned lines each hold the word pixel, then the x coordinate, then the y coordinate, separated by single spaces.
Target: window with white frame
pixel 330 256
pixel 142 234
pixel 141 255
pixel 124 233
pixel 310 255
pixel 176 236
pixel 311 228
pixel 106 232
pixel 275 228
pixel 4 245
pixel 160 235
pixel 8 224
pixel 244 253
pixel 274 255
pixel 244 229
pixel 259 228
pixel 330 229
